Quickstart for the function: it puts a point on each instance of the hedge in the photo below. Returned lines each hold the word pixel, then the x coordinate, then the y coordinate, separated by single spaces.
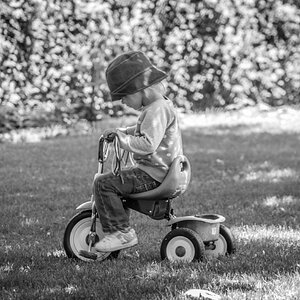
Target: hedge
pixel 230 53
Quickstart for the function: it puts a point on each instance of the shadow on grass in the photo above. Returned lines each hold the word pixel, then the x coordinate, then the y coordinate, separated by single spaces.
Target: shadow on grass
pixel 252 179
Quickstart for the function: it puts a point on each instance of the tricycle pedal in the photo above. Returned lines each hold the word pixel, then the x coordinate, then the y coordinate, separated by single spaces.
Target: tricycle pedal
pixel 88 254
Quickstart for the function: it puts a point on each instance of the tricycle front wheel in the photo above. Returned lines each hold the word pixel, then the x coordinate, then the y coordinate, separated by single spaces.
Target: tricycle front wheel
pixel 76 237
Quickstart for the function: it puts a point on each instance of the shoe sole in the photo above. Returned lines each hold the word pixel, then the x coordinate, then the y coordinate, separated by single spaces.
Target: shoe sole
pixel 124 246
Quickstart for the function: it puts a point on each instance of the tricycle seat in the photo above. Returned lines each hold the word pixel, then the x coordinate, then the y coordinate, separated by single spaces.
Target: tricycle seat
pixel 156 203
pixel 174 184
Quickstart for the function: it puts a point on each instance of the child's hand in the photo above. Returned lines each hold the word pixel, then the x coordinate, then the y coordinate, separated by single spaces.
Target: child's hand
pixel 109 134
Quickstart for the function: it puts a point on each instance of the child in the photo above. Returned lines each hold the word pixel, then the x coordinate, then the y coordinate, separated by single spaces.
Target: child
pixel 154 141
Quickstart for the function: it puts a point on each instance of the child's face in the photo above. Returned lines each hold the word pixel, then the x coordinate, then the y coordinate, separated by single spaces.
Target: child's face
pixel 134 101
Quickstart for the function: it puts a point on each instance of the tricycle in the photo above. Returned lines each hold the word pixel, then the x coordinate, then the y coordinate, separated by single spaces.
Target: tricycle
pixel 190 238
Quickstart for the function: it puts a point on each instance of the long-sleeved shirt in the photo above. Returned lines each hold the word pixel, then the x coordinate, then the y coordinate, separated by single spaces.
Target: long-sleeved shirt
pixel 155 140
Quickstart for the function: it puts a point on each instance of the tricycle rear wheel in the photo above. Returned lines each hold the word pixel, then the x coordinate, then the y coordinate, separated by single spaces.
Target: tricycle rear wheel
pixel 225 245
pixel 182 244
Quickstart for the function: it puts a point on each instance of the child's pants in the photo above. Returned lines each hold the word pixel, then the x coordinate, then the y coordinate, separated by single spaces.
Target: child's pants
pixel 108 190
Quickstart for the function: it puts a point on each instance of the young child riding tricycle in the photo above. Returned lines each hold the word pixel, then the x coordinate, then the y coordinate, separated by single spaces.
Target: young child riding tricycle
pixel 160 173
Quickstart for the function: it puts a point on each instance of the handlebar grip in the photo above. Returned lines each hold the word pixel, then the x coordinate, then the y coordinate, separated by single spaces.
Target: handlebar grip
pixel 110 137
pixel 101 149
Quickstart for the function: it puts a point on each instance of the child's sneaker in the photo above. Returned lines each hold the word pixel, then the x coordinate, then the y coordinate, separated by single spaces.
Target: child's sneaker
pixel 117 241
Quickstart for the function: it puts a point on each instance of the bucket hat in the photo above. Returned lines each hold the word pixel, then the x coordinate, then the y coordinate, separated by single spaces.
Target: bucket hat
pixel 131 72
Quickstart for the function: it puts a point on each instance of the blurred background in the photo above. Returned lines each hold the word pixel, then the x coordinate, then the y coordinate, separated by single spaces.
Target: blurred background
pixel 219 55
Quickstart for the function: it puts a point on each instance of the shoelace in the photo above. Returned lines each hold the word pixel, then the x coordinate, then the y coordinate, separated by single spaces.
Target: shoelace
pixel 120 237
pixel 107 238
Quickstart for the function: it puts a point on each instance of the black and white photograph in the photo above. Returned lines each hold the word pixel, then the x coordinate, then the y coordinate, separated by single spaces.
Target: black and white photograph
pixel 150 149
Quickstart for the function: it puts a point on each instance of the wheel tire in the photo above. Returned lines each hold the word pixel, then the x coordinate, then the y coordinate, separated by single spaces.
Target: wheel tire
pixel 225 245
pixel 75 237
pixel 182 244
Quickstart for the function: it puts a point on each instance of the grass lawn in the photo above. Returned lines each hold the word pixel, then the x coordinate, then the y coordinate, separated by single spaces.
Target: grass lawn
pixel 245 166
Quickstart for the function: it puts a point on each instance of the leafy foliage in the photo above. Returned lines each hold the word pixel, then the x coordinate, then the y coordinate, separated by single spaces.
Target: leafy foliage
pixel 217 53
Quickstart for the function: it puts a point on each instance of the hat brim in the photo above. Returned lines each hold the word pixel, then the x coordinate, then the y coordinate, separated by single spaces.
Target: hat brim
pixel 146 79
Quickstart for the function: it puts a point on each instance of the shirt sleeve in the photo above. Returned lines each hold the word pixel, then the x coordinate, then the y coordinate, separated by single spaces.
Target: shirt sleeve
pixel 130 130
pixel 152 130
pixel 127 130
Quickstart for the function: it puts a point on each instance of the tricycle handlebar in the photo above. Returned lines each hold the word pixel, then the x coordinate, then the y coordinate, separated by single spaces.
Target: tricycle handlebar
pixel 103 146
